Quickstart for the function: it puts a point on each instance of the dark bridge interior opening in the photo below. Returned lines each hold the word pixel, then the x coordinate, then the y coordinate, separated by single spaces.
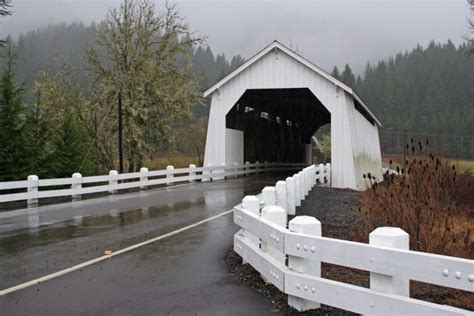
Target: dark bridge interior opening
pixel 277 123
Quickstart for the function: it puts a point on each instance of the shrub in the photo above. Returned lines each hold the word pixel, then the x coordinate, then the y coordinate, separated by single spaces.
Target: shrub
pixel 428 200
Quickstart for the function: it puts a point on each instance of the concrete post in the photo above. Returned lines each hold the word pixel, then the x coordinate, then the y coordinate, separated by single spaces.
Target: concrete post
pixel 209 165
pixel 278 216
pixel 301 185
pixel 32 189
pixel 308 183
pixel 113 181
pixel 297 179
pixel 236 169
pixel 328 174
pixel 304 177
pixel 290 196
pixel 269 196
pixel 143 178
pixel 169 175
pixel 307 225
pixel 76 185
pixel 391 237
pixel 247 169
pixel 281 194
pixel 192 173
pixel 321 173
pixel 252 204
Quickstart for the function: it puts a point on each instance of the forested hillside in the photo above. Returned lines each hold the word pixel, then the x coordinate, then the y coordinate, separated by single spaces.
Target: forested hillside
pixel 38 50
pixel 58 96
pixel 427 91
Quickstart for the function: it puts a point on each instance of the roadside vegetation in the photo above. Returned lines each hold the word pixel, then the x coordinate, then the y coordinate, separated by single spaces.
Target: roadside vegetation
pixel 432 202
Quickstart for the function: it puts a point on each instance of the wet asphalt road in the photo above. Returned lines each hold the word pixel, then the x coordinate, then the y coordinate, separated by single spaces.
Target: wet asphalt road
pixel 184 274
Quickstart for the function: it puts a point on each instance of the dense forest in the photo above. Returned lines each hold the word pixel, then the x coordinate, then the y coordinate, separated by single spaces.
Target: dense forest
pixel 427 91
pixel 60 87
pixel 40 50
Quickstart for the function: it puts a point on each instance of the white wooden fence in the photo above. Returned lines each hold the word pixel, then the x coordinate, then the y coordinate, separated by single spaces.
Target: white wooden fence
pixel 76 186
pixel 265 242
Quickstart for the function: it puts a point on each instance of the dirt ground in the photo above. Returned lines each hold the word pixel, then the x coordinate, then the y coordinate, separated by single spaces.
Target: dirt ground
pixel 337 211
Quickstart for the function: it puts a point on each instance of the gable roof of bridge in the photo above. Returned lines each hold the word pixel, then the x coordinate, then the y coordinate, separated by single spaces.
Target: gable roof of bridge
pixel 277 45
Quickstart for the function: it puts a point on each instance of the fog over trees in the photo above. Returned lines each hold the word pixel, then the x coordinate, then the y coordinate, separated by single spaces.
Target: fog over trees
pixel 60 81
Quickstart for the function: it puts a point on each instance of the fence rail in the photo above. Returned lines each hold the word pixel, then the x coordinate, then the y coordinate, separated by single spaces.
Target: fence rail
pixel 77 186
pixel 266 243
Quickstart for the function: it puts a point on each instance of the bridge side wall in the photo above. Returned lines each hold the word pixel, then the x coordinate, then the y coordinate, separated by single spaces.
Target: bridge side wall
pixel 365 148
pixel 277 70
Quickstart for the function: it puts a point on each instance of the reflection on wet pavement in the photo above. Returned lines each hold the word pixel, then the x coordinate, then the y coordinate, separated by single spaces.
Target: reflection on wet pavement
pixel 37 242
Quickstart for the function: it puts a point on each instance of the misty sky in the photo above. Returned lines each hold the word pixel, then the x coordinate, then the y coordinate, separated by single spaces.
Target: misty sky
pixel 326 32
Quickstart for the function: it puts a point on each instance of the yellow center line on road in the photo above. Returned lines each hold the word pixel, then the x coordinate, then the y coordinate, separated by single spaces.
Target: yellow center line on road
pixel 105 257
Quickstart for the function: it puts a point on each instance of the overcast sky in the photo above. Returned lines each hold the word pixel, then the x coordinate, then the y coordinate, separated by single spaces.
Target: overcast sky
pixel 326 32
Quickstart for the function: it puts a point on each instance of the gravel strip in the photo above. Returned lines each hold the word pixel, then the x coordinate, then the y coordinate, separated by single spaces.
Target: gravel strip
pixel 334 206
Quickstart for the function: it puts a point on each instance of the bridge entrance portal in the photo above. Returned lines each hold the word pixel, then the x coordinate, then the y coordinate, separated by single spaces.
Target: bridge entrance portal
pixel 275 124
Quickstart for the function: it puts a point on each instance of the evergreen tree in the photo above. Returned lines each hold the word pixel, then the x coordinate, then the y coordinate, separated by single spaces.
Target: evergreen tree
pixel 348 77
pixel 69 147
pixel 38 132
pixel 13 155
pixel 335 73
pixel 426 91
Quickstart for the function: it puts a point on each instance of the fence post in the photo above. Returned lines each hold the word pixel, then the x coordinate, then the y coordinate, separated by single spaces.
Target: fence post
pixel 301 185
pixel 297 179
pixel 236 169
pixel 281 194
pixel 113 181
pixel 223 170
pixel 269 196
pixel 76 185
pixel 290 195
pixel 32 189
pixel 328 174
pixel 251 203
pixel 257 167
pixel 265 166
pixel 192 173
pixel 246 168
pixel 209 165
pixel 321 173
pixel 169 175
pixel 308 180
pixel 143 178
pixel 391 237
pixel 278 216
pixel 307 225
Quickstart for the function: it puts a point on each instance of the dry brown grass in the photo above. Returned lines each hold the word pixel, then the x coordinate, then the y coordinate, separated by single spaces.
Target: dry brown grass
pixel 462 165
pixel 176 160
pixel 434 205
pixel 428 200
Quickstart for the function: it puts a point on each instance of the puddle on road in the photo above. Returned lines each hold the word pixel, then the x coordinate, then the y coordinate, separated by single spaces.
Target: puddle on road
pixel 81 226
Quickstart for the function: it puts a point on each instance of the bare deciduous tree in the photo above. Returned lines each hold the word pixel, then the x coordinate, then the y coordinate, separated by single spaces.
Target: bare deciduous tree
pixel 4 10
pixel 470 36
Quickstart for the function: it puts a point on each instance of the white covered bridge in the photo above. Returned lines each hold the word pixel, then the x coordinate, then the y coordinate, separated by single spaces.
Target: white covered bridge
pixel 270 107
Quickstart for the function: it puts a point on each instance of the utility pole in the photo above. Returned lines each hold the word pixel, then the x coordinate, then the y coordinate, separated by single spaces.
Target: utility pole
pixel 120 131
